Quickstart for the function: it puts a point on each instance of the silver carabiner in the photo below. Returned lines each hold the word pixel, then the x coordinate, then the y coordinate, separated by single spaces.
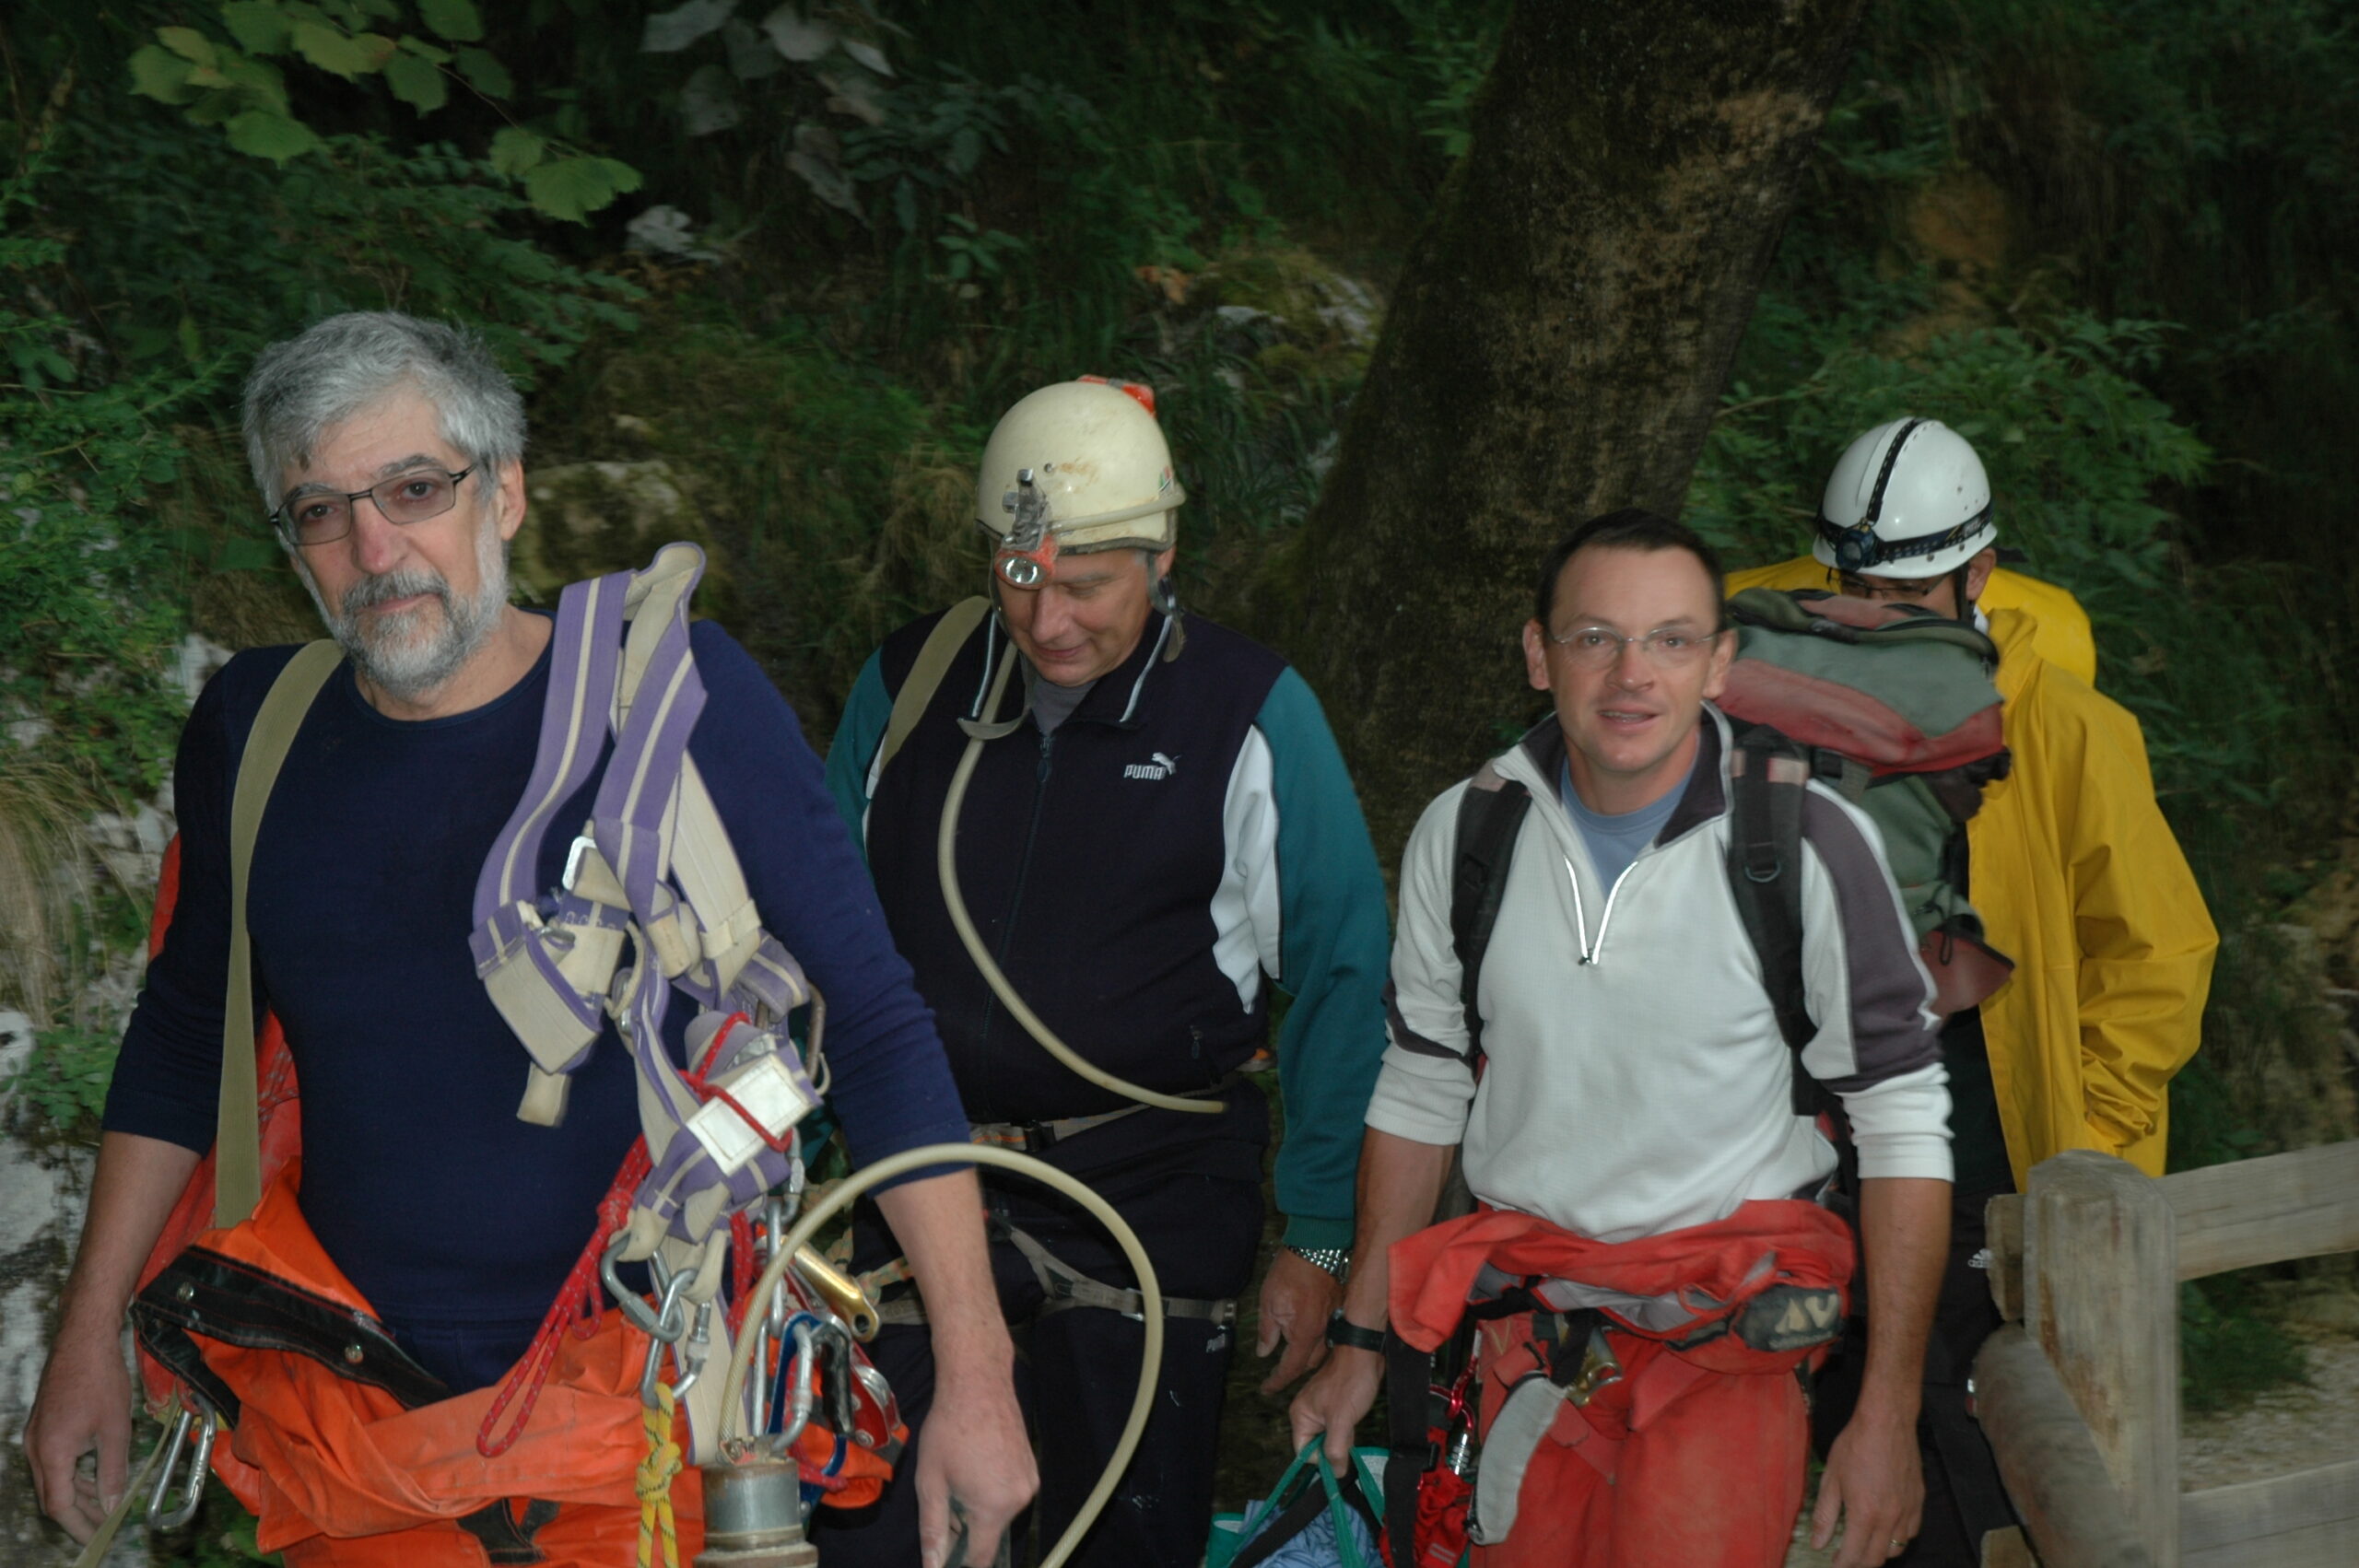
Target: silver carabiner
pixel 772 1231
pixel 666 1323
pixel 671 1310
pixel 159 1518
pixel 692 1352
pixel 807 1388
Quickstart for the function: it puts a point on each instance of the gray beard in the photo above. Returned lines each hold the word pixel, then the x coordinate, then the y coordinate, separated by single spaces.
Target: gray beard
pixel 411 655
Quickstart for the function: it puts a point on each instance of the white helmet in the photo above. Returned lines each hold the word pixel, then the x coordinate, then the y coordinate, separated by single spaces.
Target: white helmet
pixel 1080 465
pixel 1907 499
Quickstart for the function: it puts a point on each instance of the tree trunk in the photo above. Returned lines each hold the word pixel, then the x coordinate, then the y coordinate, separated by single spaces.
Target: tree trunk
pixel 1556 350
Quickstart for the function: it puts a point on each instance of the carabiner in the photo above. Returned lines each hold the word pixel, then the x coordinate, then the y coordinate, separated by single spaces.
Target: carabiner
pixel 668 1323
pixel 158 1518
pixel 807 1386
pixel 692 1352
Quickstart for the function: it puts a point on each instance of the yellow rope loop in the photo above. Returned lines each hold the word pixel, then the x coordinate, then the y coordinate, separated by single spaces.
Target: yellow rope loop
pixel 653 1482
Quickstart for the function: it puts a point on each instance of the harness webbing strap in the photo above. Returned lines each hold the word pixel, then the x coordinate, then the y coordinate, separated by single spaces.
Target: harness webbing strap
pixel 237 1138
pixel 622 664
pixel 1036 1137
pixel 581 671
pixel 1408 1377
pixel 1768 780
pixel 1067 1287
pixel 941 645
pixel 1490 815
pixel 547 985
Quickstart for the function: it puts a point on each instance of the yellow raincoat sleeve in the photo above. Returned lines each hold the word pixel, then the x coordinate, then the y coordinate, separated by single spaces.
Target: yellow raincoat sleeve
pixel 2061 627
pixel 2141 940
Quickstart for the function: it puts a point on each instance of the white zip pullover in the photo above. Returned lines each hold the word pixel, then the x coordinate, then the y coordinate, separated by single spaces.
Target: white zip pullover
pixel 1636 1081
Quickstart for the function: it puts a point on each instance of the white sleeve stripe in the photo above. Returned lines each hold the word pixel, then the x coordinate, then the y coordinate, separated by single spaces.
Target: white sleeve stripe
pixel 1246 906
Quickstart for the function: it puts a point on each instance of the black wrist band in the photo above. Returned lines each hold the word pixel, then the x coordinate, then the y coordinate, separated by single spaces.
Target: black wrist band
pixel 1351 1336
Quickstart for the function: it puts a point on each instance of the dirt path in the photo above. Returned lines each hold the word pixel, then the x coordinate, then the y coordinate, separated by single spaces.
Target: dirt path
pixel 2285 1429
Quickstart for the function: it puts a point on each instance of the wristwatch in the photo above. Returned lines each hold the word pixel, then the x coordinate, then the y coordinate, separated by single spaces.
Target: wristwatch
pixel 1335 1260
pixel 1351 1336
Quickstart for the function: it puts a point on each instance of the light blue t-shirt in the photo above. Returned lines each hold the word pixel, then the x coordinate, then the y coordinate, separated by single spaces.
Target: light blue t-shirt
pixel 1614 841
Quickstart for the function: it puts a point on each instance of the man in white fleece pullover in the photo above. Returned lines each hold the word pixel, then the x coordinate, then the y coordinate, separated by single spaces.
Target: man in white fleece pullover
pixel 1631 1101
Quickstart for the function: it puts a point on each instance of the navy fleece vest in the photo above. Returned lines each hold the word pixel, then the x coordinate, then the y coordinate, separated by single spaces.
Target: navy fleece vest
pixel 1088 858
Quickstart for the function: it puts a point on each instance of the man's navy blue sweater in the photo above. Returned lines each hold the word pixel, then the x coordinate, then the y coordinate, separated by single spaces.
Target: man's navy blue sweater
pixel 437 1203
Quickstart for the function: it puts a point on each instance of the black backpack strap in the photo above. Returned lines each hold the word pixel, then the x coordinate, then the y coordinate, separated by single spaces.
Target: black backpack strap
pixel 1408 1380
pixel 1490 815
pixel 1767 778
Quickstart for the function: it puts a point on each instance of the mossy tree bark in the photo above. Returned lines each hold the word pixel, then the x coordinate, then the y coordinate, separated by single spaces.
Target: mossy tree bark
pixel 1556 349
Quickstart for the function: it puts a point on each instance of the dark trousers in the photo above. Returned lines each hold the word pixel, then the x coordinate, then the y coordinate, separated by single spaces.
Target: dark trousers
pixel 1077 1373
pixel 1964 1497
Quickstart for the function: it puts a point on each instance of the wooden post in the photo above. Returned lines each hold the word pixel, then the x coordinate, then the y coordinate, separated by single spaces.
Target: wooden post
pixel 2101 1299
pixel 2054 1474
pixel 2003 1228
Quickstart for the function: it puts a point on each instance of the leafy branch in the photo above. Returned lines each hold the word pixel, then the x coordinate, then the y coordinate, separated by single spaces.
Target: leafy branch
pixel 237 84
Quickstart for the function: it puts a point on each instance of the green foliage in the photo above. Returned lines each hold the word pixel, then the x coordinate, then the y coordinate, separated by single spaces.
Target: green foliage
pixel 238 84
pixel 66 1078
pixel 219 252
pixel 2229 1349
pixel 86 617
pixel 805 463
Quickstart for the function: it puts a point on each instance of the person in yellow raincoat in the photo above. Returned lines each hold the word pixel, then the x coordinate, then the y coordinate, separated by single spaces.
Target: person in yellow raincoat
pixel 2077 878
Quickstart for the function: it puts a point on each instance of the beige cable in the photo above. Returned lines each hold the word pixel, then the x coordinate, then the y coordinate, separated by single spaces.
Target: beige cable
pixel 741 1356
pixel 945 857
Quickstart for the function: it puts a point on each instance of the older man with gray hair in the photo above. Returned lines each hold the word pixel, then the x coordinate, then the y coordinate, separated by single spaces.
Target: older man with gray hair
pixel 389 451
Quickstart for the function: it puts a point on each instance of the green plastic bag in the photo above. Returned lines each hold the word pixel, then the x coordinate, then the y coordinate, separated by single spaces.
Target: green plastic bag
pixel 1340 1534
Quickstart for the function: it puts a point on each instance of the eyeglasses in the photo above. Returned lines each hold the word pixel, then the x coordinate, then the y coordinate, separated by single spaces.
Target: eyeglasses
pixel 1668 647
pixel 1907 592
pixel 412 496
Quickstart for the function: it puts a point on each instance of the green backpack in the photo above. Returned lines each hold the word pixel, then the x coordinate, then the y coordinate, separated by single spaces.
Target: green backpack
pixel 1893 706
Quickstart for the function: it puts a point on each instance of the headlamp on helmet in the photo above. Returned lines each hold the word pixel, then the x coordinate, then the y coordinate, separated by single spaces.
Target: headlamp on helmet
pixel 1073 467
pixel 1030 549
pixel 1907 499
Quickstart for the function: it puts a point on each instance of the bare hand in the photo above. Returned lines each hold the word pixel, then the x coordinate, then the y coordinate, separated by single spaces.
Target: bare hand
pixel 84 1407
pixel 976 1449
pixel 1334 1400
pixel 1874 1483
pixel 1298 1297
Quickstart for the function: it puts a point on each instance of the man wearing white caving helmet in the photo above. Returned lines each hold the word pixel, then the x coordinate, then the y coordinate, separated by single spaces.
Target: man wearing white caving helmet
pixel 1150 826
pixel 2077 878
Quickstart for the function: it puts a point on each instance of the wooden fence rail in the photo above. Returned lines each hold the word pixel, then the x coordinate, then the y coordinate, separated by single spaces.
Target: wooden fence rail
pixel 2080 1401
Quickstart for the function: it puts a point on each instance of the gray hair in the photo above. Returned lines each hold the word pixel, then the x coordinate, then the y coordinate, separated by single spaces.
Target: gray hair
pixel 306 386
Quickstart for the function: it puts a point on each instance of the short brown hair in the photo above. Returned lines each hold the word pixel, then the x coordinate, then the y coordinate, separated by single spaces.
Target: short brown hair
pixel 1631 528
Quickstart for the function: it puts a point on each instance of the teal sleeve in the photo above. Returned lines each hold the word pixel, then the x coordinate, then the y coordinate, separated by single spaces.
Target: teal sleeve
pixel 1336 948
pixel 858 734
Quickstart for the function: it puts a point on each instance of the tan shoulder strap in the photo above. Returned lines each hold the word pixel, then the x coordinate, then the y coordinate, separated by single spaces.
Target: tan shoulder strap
pixel 236 1143
pixel 942 646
